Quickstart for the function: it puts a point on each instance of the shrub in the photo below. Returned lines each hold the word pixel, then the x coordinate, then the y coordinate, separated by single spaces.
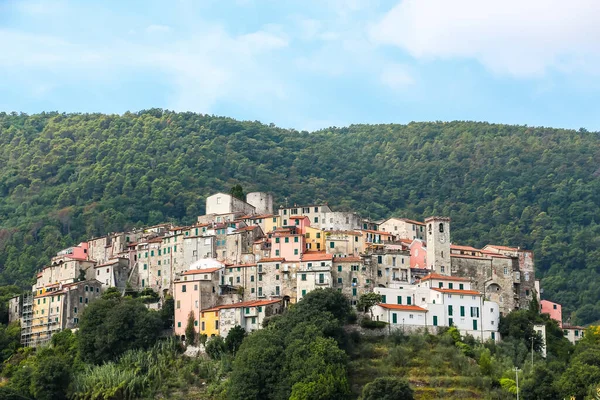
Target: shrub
pixel 370 324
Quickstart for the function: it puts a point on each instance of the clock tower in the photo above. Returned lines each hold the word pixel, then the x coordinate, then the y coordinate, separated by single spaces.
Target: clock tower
pixel 438 244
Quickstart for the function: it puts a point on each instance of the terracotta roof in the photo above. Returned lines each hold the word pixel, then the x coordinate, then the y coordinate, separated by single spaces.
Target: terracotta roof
pixel 466 248
pixel 202 271
pixel 155 240
pixel 76 258
pixel 412 221
pixel 252 303
pixel 444 278
pixel 316 256
pixel 298 217
pixel 377 232
pixel 262 216
pixel 271 259
pixel 406 241
pixel 402 307
pixel 574 327
pixel 346 259
pixel 458 291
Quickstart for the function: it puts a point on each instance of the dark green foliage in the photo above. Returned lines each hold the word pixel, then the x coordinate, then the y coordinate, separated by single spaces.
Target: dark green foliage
pixel 108 328
pixel 111 293
pixel 6 293
pixel 368 323
pixel 367 300
pixel 387 388
pixel 540 385
pixel 238 192
pixel 190 331
pixel 51 377
pixel 167 312
pixel 215 347
pixel 234 338
pixel 68 177
pixel 10 340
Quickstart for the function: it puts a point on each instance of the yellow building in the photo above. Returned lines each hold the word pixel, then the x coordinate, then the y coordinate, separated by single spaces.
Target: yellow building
pixel 209 322
pixel 271 223
pixel 315 239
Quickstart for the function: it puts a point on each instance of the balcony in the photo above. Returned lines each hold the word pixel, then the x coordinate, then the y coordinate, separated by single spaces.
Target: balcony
pixel 322 282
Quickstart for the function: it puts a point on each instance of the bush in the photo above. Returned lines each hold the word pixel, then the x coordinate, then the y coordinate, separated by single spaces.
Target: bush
pixel 368 323
pixel 387 388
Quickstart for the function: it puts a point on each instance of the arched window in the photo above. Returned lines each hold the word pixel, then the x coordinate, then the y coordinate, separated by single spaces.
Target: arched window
pixel 441 228
pixel 429 228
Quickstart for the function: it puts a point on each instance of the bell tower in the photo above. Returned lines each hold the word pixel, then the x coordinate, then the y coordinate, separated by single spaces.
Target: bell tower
pixel 438 244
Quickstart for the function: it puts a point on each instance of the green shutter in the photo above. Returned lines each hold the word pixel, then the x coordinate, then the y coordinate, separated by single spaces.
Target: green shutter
pixel 399 299
pixel 435 322
pixel 394 318
pixel 462 311
pixel 450 310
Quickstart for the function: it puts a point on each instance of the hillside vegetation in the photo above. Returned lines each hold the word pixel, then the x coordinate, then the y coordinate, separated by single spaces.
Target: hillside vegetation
pixel 68 177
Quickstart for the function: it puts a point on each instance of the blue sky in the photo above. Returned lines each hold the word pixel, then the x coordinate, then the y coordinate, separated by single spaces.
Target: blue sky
pixel 307 64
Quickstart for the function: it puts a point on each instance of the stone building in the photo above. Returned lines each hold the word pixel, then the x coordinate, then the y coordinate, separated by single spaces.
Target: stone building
pixel 353 277
pixel 403 228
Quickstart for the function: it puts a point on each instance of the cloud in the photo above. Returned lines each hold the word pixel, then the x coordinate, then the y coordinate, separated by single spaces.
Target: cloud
pixel 396 76
pixel 513 37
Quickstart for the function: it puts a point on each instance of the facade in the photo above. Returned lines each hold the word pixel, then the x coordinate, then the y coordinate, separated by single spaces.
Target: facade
pixel 193 291
pixel 573 333
pixel 221 203
pixel 552 309
pixel 315 272
pixel 403 228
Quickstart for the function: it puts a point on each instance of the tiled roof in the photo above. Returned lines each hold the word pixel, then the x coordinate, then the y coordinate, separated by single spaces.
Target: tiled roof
pixel 202 271
pixel 316 256
pixel 401 307
pixel 377 232
pixel 271 259
pixel 465 248
pixel 457 291
pixel 502 247
pixel 252 303
pixel 247 228
pixel 241 265
pixel 444 278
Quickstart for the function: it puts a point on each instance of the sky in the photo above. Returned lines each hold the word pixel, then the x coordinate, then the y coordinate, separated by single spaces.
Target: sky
pixel 307 64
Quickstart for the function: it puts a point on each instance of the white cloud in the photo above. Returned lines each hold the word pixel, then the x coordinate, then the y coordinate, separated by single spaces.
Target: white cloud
pixel 515 37
pixel 396 76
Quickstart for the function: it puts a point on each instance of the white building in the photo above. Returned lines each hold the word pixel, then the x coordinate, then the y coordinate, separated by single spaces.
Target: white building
pixel 221 203
pixel 439 301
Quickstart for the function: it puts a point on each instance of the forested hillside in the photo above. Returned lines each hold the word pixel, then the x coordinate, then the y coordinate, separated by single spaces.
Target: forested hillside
pixel 68 177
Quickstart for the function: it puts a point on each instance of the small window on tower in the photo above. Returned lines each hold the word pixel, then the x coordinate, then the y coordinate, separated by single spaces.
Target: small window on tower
pixel 441 228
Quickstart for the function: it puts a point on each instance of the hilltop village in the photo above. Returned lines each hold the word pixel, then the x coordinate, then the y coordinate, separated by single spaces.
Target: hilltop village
pixel 243 262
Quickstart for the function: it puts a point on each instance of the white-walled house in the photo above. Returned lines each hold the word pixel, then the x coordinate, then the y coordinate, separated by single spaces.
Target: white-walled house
pixel 439 300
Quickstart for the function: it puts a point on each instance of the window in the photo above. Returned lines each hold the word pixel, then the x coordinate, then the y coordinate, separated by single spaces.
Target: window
pixel 80 299
pixel 295 252
pixel 475 312
pixel 474 324
pixel 316 220
pixel 276 252
pixel 196 288
pixel 442 269
pixel 353 291
pixel 260 278
pixel 505 270
pixel 450 285
pixel 339 268
pixel 450 322
pixel 251 290
pixel 303 277
pixel 284 222
pixel 339 280
pixel 251 278
pixel 408 300
pixel 379 259
pixel 399 299
pixel 318 235
pixel 435 320
pixel 526 292
pixel 449 310
pixel 237 279
pixel 493 335
pixel 461 286
pixel 287 239
pixel 151 253
pixel 86 300
pixel 159 272
pixel 383 299
pixel 178 304
pixel 307 235
pixel 183 288
pixel 276 240
pixel 393 261
pixel 554 306
pixel 75 310
pixel 440 285
pixel 260 291
pixel 276 277
pixel 462 311
pixel 253 320
pixel 527 276
pixel 394 318
pixel 303 292
pixel 441 228
pixel 331 245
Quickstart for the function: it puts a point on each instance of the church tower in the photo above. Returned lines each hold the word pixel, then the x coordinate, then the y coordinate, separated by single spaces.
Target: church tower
pixel 438 244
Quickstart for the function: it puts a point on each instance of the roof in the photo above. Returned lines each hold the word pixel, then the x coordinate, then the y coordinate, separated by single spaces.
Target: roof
pixel 201 271
pixel 465 248
pixel 252 303
pixel 271 259
pixel 467 256
pixel 298 217
pixel 444 278
pixel 502 247
pixel 573 327
pixel 155 240
pixel 346 259
pixel 316 256
pixel 262 216
pixel 458 291
pixel 377 232
pixel 401 307
pixel 411 221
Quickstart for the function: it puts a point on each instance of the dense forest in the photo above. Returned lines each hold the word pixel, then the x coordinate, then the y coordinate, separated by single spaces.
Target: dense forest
pixel 69 177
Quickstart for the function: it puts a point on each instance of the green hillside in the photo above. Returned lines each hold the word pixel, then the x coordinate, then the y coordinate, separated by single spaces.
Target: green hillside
pixel 67 177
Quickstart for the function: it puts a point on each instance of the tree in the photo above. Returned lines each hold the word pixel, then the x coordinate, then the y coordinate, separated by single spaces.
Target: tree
pixel 234 338
pixel 215 347
pixel 109 327
pixel 387 388
pixel 111 293
pixel 190 330
pixel 368 300
pixel 167 312
pixel 51 377
pixel 238 192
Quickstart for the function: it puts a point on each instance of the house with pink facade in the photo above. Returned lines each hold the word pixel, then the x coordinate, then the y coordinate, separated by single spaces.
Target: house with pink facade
pixel 193 291
pixel 301 222
pixel 418 254
pixel 553 309
pixel 287 243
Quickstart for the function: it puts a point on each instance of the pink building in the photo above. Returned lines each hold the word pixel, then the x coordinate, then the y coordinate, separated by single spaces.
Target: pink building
pixel 300 222
pixel 287 243
pixel 418 254
pixel 554 309
pixel 79 252
pixel 196 290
